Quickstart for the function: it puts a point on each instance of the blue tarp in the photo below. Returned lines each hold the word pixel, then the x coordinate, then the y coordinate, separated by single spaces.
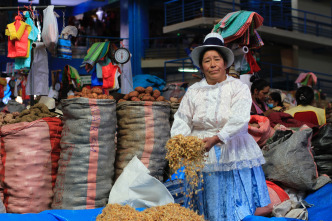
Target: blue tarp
pixel 146 80
pixel 321 210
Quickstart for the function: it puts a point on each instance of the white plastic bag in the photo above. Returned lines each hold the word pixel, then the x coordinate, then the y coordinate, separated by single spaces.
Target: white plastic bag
pixel 136 188
pixel 50 32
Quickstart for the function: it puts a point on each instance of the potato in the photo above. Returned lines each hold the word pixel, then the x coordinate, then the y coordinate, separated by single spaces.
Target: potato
pixel 97 90
pixel 86 90
pixel 146 97
pixel 126 97
pixel 156 94
pixel 160 98
pixel 15 114
pixel 149 90
pixel 121 100
pixel 140 89
pixel 140 96
pixel 102 96
pixel 133 94
pixel 94 95
pixel 76 93
pixel 135 99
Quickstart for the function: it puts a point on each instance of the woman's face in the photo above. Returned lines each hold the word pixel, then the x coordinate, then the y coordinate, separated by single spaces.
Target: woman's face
pixel 262 95
pixel 272 102
pixel 213 67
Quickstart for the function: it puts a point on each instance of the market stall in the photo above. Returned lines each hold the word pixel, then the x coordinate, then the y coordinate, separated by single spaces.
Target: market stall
pixel 63 164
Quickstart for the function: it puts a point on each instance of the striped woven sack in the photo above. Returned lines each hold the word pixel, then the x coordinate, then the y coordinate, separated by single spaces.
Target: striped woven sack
pixel 86 164
pixel 29 163
pixel 143 130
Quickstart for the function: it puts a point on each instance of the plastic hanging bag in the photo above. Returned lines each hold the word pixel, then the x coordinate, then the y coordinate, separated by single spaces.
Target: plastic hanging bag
pixel 50 33
pixel 64 43
pixel 136 188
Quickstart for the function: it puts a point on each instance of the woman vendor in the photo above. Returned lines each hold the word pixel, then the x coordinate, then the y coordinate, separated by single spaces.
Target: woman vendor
pixel 217 109
pixel 259 91
pixel 304 111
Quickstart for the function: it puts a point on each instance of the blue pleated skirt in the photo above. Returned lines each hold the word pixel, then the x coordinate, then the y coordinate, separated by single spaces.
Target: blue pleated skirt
pixel 230 195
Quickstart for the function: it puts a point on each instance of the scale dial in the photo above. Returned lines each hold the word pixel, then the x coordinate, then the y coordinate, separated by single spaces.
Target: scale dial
pixel 122 55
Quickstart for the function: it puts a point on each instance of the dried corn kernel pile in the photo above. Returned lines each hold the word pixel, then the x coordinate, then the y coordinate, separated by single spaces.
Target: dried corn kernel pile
pixel 188 152
pixel 171 211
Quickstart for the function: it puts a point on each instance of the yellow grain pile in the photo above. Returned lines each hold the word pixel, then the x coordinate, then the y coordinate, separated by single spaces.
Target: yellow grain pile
pixel 188 152
pixel 171 211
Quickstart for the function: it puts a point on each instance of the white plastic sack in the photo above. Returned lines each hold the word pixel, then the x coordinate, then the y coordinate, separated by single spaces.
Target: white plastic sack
pixel 136 188
pixel 50 32
pixel 291 209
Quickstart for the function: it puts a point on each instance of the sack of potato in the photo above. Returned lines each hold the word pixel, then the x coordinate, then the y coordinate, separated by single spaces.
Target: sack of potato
pixel 143 94
pixel 94 93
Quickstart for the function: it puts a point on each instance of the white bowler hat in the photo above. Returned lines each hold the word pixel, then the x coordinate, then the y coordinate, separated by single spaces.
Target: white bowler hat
pixel 213 40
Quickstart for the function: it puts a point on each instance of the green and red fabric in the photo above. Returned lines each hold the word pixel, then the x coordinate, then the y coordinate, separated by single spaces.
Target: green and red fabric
pixel 71 77
pixel 96 52
pixel 240 24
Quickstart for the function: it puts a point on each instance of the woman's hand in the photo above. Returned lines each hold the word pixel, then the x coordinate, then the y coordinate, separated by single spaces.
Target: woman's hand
pixel 210 142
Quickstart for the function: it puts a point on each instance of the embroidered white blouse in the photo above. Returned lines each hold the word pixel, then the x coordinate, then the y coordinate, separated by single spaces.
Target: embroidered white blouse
pixel 222 109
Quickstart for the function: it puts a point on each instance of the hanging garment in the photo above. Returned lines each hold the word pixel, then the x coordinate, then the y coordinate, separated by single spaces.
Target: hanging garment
pixel 38 77
pixel 26 62
pixel 240 26
pixel 18 42
pixel 95 81
pixel 103 62
pixel 306 79
pixel 23 85
pixel 73 78
pixel 111 74
pixel 64 42
pixel 253 66
pixel 64 48
pixel 96 52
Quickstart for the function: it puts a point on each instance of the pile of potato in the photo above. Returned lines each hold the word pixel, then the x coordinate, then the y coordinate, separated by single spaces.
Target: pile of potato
pixel 36 112
pixel 94 93
pixel 143 94
pixel 8 118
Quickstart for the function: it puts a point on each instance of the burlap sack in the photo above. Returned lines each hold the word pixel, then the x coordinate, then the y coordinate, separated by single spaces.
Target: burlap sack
pixel 143 130
pixel 86 165
pixel 29 161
